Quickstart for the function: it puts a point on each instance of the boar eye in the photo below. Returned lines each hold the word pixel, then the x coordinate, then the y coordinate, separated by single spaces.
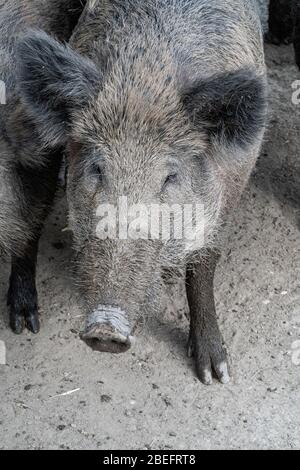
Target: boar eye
pixel 97 171
pixel 171 179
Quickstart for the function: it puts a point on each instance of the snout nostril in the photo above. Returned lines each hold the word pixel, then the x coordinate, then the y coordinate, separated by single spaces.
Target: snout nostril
pixel 107 345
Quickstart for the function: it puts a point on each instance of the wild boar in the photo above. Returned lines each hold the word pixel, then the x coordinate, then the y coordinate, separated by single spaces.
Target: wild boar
pixel 28 171
pixel 159 102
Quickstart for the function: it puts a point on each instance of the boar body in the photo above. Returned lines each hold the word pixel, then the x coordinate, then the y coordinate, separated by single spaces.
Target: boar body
pixel 163 102
pixel 28 172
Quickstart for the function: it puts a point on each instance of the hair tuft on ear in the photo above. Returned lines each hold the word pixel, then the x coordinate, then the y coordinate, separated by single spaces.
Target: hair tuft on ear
pixel 232 106
pixel 54 80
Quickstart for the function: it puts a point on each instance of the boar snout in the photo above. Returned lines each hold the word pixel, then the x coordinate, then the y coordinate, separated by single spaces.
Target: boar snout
pixel 108 330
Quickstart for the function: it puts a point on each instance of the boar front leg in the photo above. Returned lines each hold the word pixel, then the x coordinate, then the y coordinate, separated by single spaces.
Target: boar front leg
pixel 37 187
pixel 205 341
pixel 22 294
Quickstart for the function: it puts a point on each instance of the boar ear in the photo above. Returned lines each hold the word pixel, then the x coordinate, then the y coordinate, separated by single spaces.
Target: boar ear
pixel 232 106
pixel 54 81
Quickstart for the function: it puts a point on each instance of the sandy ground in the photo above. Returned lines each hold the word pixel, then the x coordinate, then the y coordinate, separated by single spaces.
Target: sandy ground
pixel 149 398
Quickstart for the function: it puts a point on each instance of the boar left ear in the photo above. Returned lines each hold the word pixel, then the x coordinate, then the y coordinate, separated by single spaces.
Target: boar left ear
pixel 231 107
pixel 54 81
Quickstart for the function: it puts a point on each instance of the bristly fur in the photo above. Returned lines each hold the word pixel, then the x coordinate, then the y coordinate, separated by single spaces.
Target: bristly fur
pixel 51 109
pixel 28 173
pixel 148 89
pixel 231 105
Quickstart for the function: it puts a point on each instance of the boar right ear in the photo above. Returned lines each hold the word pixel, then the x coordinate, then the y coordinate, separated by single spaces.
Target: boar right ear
pixel 231 107
pixel 54 81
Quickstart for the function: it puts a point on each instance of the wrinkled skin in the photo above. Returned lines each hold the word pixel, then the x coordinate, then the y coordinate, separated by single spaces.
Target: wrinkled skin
pixel 161 102
pixel 28 174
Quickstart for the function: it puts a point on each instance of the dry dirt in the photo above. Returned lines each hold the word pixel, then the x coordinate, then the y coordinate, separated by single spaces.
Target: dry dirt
pixel 149 397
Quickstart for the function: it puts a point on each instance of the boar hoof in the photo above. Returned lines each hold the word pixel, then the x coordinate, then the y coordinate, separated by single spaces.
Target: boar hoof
pixel 19 322
pixel 23 316
pixel 32 323
pixel 211 357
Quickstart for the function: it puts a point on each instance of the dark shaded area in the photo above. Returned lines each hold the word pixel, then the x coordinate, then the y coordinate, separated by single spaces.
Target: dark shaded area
pixel 284 24
pixel 297 33
pixel 281 21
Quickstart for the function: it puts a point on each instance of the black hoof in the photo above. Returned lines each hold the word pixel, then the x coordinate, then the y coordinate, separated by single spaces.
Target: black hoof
pixel 17 324
pixel 23 310
pixel 32 323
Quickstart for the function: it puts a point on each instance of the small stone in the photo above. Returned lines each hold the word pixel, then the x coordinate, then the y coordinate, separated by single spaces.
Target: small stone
pixel 106 398
pixel 272 389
